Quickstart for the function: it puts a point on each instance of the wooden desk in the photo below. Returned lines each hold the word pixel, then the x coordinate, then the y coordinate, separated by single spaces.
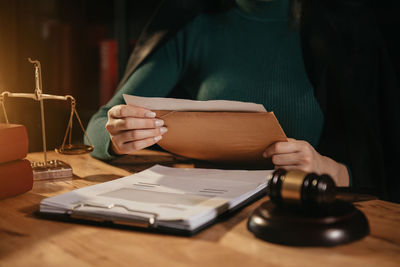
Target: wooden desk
pixel 28 241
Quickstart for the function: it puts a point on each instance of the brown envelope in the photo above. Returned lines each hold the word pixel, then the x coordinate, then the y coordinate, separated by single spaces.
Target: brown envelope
pixel 223 137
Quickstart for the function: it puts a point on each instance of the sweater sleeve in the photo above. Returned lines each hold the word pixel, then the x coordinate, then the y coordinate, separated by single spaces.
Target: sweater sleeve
pixel 157 76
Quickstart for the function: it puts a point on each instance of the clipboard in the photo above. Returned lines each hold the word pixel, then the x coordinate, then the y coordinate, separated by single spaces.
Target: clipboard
pixel 144 225
pixel 90 213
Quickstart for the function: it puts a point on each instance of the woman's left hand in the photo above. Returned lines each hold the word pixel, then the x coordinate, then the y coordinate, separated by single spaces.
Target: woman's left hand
pixel 300 155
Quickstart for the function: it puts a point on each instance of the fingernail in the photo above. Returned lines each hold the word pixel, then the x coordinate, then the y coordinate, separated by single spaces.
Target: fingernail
pixel 150 114
pixel 163 130
pixel 157 138
pixel 159 123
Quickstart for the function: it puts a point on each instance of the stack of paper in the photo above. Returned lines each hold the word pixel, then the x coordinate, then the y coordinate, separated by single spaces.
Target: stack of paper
pixel 174 198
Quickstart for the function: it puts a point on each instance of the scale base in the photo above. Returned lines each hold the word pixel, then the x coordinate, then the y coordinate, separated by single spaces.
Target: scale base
pixel 53 169
pixel 337 224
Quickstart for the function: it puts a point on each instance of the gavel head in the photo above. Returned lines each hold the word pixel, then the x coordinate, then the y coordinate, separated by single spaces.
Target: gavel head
pixel 297 188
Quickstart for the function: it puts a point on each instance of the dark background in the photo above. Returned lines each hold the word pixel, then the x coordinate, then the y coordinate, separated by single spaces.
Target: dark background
pixel 65 35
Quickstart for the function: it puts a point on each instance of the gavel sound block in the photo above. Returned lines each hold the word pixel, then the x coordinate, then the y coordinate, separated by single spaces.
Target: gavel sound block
pixel 303 211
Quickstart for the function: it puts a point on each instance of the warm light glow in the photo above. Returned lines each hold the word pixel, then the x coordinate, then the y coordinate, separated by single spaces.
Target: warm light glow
pixel 260 221
pixel 335 234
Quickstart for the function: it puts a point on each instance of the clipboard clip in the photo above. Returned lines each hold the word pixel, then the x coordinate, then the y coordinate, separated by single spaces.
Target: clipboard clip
pixel 143 219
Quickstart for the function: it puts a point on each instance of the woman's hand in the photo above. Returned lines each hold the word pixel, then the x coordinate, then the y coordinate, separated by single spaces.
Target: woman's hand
pixel 133 128
pixel 300 155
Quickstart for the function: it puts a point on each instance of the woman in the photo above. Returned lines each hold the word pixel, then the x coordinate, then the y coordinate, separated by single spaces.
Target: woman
pixel 250 52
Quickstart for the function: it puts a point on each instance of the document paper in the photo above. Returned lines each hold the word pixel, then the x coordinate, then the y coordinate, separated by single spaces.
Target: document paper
pixel 162 103
pixel 181 198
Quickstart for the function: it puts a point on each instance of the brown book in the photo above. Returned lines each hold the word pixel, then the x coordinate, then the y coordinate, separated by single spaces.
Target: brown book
pixel 16 177
pixel 13 142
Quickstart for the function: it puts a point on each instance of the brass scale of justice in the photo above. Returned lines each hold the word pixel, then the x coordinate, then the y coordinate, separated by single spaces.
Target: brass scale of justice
pixel 48 169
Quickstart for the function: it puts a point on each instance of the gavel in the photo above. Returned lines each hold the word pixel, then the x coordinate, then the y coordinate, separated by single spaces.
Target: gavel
pixel 303 211
pixel 297 188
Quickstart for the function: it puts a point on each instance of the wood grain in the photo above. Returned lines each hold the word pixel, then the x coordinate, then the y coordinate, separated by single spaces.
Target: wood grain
pixel 28 241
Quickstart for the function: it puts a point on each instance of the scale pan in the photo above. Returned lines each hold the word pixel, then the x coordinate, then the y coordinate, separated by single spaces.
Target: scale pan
pixel 74 149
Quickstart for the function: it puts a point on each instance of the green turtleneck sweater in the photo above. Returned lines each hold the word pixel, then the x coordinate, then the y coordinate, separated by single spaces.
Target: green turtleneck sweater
pixel 241 55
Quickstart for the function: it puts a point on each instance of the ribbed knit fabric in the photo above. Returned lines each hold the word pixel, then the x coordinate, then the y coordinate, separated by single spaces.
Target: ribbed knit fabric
pixel 236 55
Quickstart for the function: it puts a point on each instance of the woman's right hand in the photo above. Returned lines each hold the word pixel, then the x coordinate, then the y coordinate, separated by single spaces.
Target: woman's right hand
pixel 133 128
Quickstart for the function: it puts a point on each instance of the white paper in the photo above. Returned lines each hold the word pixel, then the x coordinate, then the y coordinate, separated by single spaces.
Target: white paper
pixel 162 103
pixel 182 198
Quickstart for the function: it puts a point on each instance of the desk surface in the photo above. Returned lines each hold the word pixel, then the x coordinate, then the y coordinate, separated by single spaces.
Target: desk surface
pixel 28 241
